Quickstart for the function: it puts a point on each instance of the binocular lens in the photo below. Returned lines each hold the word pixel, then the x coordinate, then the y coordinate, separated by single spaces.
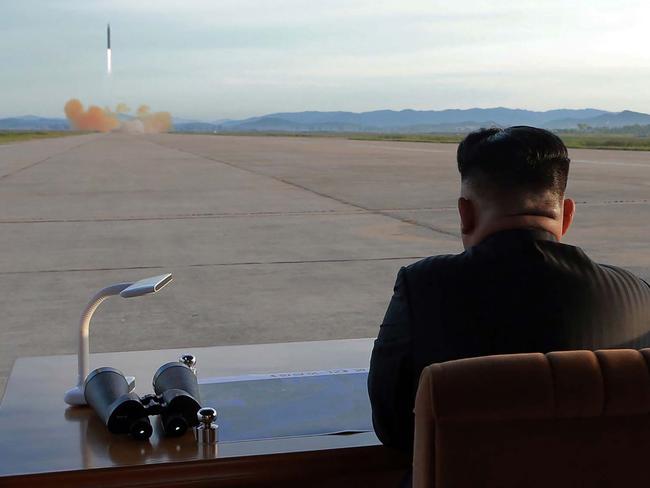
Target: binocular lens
pixel 174 424
pixel 107 392
pixel 141 429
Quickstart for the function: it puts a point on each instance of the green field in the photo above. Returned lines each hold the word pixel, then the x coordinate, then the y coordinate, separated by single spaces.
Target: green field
pixel 440 138
pixel 572 140
pixel 575 140
pixel 606 141
pixel 15 136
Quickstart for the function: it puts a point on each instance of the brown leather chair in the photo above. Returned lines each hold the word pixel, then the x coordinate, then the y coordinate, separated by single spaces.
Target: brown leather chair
pixel 564 419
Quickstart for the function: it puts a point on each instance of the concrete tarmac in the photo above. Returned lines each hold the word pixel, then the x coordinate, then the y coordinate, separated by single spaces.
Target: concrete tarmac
pixel 270 239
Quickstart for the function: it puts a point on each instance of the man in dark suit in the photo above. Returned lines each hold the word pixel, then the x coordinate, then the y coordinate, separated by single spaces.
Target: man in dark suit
pixel 515 289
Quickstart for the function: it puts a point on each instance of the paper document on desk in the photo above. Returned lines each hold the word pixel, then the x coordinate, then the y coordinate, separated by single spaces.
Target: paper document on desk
pixel 306 403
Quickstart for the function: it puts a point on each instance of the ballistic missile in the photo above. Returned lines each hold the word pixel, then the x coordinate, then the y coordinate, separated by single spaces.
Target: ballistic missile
pixel 108 49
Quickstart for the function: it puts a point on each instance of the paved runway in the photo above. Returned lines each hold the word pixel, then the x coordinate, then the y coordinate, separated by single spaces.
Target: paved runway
pixel 269 238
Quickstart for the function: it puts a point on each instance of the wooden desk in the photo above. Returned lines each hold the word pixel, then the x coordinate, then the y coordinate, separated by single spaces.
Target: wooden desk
pixel 45 443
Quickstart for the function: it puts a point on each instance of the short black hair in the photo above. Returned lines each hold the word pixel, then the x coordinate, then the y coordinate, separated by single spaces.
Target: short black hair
pixel 519 159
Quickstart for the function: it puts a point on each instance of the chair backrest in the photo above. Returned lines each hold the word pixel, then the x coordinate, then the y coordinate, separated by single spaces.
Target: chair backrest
pixel 564 419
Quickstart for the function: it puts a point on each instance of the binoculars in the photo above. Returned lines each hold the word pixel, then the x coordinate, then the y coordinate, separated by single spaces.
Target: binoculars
pixel 176 400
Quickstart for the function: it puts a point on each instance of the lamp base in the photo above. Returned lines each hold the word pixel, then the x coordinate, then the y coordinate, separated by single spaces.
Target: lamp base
pixel 76 397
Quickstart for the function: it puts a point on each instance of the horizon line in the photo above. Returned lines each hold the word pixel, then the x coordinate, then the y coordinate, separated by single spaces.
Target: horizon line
pixel 367 111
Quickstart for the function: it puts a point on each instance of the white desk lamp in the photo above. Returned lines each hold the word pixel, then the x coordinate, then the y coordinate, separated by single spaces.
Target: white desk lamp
pixel 75 396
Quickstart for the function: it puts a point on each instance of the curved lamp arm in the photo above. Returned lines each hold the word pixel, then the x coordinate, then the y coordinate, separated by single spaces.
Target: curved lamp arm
pixel 75 396
pixel 83 354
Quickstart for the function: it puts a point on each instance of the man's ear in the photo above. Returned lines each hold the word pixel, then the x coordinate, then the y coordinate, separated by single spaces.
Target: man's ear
pixel 569 207
pixel 467 214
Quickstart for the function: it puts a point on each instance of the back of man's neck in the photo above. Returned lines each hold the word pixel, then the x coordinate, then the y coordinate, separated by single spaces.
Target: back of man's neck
pixel 516 222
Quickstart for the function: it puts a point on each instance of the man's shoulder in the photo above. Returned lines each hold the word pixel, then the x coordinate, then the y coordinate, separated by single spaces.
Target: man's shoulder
pixel 432 265
pixel 592 269
pixel 622 275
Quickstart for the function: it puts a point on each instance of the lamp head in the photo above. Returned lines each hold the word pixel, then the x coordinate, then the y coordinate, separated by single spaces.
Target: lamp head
pixel 146 286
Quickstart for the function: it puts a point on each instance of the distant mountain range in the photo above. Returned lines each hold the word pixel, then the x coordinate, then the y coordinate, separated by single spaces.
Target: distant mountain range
pixel 403 121
pixel 419 121
pixel 33 122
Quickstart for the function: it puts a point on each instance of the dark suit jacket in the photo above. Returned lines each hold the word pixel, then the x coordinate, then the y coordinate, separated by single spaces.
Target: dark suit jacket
pixel 517 291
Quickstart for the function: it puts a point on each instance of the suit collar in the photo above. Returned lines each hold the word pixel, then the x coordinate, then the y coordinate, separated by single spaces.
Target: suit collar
pixel 519 234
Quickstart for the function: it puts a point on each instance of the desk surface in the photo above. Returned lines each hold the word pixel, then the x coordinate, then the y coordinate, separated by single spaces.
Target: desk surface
pixel 40 435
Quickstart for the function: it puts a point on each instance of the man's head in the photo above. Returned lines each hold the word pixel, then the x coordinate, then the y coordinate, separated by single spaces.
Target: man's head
pixel 513 178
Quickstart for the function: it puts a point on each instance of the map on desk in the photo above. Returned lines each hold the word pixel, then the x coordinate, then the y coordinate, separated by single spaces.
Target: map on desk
pixel 268 406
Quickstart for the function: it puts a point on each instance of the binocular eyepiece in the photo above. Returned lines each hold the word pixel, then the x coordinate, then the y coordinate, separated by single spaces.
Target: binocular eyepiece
pixel 175 383
pixel 176 400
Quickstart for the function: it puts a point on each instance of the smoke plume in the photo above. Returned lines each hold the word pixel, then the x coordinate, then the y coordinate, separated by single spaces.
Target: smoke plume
pixel 95 118
pixel 143 110
pixel 122 108
pixel 105 120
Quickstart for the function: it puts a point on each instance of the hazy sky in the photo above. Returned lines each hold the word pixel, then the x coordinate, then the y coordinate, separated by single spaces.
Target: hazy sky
pixel 236 58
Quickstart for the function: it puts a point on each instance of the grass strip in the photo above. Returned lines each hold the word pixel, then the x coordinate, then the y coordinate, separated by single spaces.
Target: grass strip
pixel 7 137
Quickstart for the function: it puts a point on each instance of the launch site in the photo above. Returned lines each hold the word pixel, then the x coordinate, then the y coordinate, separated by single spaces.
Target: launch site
pixel 367 243
pixel 270 239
